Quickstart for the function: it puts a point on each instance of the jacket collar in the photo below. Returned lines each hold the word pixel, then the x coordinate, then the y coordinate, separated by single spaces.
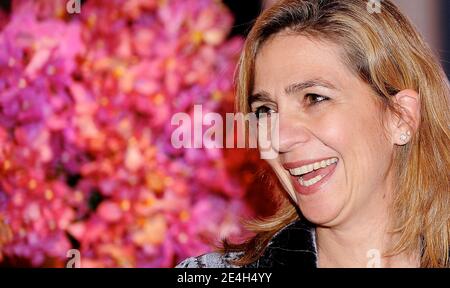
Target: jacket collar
pixel 293 246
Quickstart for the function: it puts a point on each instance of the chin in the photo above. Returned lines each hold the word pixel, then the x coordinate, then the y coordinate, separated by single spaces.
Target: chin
pixel 322 212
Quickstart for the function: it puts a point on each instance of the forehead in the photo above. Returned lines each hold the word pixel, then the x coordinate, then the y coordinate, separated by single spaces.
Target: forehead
pixel 285 58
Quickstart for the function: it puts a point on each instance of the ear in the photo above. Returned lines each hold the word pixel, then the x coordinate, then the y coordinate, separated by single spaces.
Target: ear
pixel 407 122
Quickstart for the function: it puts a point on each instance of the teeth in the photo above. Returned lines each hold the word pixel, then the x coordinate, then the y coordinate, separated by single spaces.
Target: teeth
pixel 310 181
pixel 310 167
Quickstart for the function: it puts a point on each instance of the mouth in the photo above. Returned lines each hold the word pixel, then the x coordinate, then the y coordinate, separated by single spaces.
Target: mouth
pixel 310 176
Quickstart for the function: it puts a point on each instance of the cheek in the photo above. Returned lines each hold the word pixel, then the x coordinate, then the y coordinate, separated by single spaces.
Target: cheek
pixel 350 129
pixel 333 130
pixel 359 139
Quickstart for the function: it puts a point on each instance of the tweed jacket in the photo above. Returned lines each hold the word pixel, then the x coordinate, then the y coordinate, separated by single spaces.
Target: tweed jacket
pixel 292 246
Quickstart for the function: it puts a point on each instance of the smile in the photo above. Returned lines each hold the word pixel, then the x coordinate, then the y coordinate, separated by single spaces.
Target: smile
pixel 308 177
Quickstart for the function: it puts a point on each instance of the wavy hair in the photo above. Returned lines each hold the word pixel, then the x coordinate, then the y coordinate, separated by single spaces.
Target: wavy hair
pixel 386 52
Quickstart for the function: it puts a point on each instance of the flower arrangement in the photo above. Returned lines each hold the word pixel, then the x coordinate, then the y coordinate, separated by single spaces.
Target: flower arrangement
pixel 85 155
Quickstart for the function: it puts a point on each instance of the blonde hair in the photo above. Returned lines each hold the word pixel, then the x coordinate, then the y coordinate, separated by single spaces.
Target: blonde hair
pixel 386 52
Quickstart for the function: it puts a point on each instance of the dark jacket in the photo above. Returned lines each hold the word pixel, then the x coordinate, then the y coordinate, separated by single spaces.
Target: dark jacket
pixel 293 246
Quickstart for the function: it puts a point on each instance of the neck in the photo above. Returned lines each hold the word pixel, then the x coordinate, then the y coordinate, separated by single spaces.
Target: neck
pixel 363 240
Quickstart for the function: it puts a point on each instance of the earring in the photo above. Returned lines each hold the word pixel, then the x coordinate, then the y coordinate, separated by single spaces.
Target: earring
pixel 404 136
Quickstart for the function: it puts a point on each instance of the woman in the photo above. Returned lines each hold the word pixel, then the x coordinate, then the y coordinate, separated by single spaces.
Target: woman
pixel 363 153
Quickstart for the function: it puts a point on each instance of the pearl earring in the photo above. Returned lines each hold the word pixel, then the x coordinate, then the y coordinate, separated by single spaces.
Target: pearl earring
pixel 404 136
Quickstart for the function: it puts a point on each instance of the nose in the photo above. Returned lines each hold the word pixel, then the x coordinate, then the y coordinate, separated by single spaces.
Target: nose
pixel 292 132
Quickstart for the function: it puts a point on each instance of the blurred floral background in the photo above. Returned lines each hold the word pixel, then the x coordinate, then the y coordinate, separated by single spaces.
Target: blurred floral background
pixel 86 160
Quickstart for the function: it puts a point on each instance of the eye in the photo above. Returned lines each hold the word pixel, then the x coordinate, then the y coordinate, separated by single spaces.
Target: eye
pixel 262 111
pixel 313 99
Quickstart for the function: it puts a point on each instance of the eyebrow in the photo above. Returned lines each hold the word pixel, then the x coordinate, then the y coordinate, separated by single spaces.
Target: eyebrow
pixel 292 89
pixel 258 97
pixel 318 82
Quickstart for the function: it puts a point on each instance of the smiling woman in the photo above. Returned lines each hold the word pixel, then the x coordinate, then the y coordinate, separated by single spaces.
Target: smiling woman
pixel 363 142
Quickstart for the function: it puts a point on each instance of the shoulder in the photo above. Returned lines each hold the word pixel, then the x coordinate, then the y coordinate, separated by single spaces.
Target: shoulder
pixel 210 260
pixel 292 246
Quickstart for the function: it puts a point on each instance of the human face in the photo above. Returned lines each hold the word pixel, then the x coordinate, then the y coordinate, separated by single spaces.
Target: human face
pixel 327 116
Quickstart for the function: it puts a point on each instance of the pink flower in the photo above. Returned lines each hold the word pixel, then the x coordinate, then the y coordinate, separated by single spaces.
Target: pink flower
pixel 109 211
pixel 86 158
